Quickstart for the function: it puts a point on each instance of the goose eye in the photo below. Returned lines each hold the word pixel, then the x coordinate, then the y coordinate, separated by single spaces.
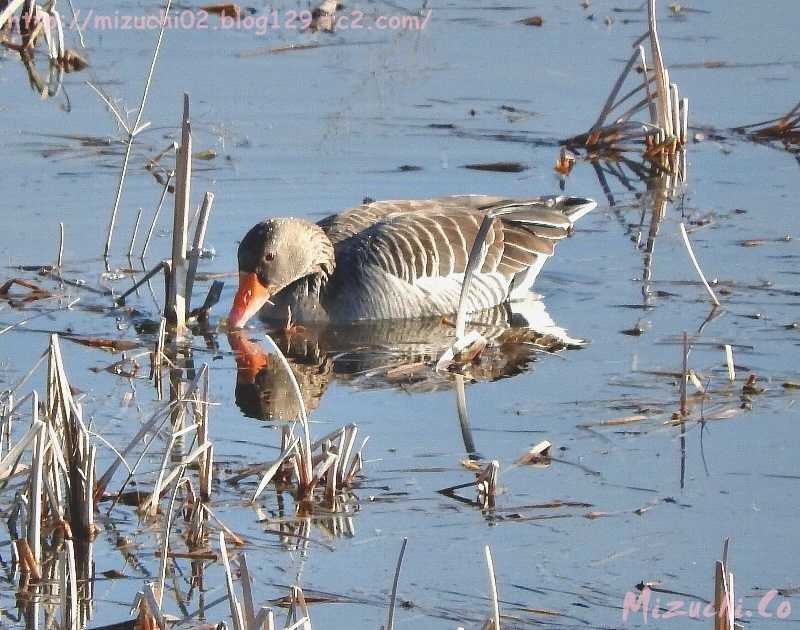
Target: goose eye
pixel 269 256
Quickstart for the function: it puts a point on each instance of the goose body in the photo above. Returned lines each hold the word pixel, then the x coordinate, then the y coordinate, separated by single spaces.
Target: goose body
pixel 399 259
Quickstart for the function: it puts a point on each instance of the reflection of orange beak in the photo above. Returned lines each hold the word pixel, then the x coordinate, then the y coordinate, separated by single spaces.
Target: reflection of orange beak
pixel 250 358
pixel 250 297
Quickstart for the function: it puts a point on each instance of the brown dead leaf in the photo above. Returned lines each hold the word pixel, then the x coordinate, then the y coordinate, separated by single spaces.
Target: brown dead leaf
pixel 112 345
pixel 224 10
pixel 35 291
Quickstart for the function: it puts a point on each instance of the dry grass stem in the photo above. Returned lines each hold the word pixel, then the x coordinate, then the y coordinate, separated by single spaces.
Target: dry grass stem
pixel 154 220
pixel 176 304
pixel 495 620
pixel 197 246
pixel 9 10
pixel 393 597
pixel 135 232
pixel 661 137
pixel 133 131
pixel 724 596
pixel 235 605
pixel 693 258
pixel 60 259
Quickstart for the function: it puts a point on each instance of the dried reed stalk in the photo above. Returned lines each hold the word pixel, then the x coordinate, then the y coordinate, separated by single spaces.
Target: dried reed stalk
pixel 36 486
pixel 235 605
pixel 729 363
pixel 9 10
pixel 393 597
pixel 206 460
pixel 785 129
pixel 135 232
pixel 492 589
pixel 305 466
pixel 690 251
pixel 197 246
pixel 724 596
pixel 667 129
pixel 154 220
pixel 176 303
pixel 60 259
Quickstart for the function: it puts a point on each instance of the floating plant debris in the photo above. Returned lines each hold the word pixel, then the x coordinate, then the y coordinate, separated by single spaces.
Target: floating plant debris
pixel 498 167
pixel 535 20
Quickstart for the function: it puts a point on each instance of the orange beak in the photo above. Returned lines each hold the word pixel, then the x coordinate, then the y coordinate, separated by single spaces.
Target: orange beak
pixel 250 297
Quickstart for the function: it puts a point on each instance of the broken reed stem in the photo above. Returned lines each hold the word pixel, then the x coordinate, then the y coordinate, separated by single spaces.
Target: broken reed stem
pixel 724 595
pixel 236 607
pixel 609 104
pixel 197 246
pixel 121 299
pixel 176 305
pixel 162 573
pixel 36 487
pixel 60 260
pixel 133 131
pixel 157 212
pixel 69 548
pixel 684 121
pixel 689 249
pixel 719 595
pixel 393 598
pixel 152 610
pixel 287 452
pixel 662 82
pixel 206 462
pixel 651 106
pixel 247 593
pixel 9 11
pixel 135 232
pixel 729 363
pixel 493 587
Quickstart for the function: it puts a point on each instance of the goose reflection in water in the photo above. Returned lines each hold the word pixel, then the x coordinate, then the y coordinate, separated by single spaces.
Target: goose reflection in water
pixel 386 354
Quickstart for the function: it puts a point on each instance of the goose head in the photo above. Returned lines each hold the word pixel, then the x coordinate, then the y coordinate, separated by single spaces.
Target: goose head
pixel 274 254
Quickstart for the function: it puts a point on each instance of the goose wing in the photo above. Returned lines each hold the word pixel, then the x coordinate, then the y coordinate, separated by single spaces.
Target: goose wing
pixel 421 240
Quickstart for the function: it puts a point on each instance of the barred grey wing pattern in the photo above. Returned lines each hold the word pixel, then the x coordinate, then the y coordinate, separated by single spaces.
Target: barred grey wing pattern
pixel 408 258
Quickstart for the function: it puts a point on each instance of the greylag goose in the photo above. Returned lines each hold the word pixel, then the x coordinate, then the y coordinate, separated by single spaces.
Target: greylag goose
pixel 398 259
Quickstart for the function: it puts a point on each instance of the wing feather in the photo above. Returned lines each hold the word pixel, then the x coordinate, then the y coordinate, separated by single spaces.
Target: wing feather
pixel 421 239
